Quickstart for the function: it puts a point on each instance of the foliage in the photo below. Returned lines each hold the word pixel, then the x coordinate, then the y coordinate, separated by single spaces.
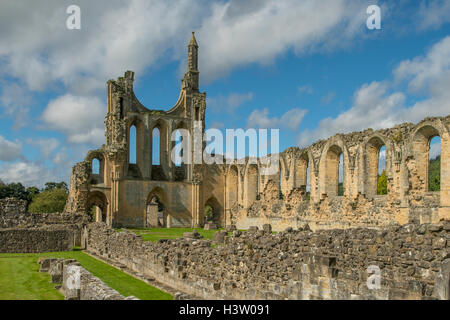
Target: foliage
pixel 382 183
pixel 49 201
pixel 209 212
pixel 17 190
pixel 340 189
pixel 434 174
pixel 55 185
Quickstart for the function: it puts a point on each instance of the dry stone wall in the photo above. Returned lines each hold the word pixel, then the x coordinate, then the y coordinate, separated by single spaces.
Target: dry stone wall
pixel 44 239
pixel 329 264
pixel 23 227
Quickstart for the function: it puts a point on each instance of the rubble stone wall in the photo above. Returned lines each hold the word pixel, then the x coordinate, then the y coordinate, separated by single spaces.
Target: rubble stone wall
pixel 13 215
pixel 78 286
pixel 45 239
pixel 282 199
pixel 330 264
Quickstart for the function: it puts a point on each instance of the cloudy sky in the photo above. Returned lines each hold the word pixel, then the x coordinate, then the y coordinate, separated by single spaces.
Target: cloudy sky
pixel 310 68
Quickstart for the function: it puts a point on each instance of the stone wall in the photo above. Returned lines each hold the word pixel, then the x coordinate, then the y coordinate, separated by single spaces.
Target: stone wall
pixel 12 206
pixel 13 215
pixel 329 264
pixel 281 199
pixel 44 239
pixel 88 287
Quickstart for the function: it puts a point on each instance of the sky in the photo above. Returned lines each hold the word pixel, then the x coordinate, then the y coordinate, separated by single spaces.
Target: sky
pixel 309 68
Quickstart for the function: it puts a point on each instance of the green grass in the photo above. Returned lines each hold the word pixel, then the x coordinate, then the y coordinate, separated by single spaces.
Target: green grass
pixel 154 234
pixel 20 280
pixel 18 273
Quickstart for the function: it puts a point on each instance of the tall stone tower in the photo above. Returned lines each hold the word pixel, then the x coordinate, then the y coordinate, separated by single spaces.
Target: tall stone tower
pixel 191 77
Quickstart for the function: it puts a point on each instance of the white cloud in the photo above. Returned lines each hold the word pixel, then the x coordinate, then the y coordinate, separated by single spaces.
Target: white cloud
pixel 80 118
pixel 46 146
pixel 9 151
pixel 261 119
pixel 376 105
pixel 230 102
pixel 28 173
pixel 425 71
pixel 16 100
pixel 305 89
pixel 433 14
pixel 60 157
pixel 328 98
pixel 274 26
pixel 115 36
pixel 435 150
pixel 119 35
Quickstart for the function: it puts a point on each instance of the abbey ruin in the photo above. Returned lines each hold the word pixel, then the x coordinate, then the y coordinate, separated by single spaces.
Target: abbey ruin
pixel 329 234
pixel 144 194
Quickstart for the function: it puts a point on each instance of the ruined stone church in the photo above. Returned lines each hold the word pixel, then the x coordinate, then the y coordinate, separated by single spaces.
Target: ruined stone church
pixel 154 191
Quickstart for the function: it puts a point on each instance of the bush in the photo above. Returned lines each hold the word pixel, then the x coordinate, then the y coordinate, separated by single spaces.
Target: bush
pixel 49 201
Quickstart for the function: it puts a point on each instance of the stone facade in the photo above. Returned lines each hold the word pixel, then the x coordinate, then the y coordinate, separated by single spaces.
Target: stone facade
pixel 305 190
pixel 414 262
pixel 126 192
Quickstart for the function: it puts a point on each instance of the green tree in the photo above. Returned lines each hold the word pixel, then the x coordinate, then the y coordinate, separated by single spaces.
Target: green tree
pixel 434 174
pixel 382 183
pixel 49 201
pixel 31 193
pixel 55 185
pixel 16 190
pixel 209 213
pixel 340 189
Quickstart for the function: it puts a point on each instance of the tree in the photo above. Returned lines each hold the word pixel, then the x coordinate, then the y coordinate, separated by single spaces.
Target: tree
pixel 434 174
pixel 55 185
pixel 382 183
pixel 16 190
pixel 209 213
pixel 49 201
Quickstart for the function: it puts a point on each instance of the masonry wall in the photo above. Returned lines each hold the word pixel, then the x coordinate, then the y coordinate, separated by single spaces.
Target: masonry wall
pixel 329 264
pixel 134 196
pixel 50 239
pixel 86 287
pixel 13 216
pixel 281 200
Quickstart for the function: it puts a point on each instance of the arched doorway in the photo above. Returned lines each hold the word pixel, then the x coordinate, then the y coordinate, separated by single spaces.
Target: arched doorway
pixel 97 207
pixel 156 213
pixel 213 212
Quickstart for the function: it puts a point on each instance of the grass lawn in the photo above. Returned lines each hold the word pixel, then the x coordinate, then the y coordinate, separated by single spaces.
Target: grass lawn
pixel 20 279
pixel 154 234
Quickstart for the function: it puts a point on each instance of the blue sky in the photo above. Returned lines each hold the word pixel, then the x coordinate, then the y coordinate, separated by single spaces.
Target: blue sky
pixel 311 69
